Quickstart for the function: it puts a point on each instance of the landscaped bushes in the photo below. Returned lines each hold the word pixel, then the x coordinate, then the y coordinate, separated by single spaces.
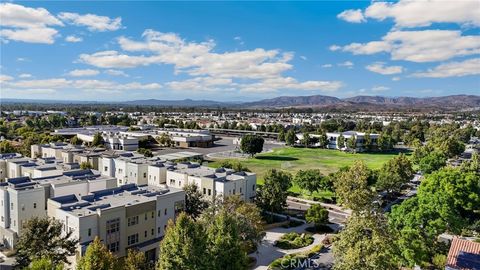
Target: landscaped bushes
pixel 294 240
pixel 292 261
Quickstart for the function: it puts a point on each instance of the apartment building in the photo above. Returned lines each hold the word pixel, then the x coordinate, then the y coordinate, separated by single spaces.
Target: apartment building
pixel 22 198
pixel 129 216
pixel 213 183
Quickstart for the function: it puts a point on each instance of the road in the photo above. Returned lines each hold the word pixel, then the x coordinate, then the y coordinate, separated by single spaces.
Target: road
pixel 334 216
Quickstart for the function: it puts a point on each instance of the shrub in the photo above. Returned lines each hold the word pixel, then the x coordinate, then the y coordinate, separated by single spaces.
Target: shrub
pixel 294 240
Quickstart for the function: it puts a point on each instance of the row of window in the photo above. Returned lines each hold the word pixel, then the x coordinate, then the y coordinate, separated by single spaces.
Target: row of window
pixel 23 206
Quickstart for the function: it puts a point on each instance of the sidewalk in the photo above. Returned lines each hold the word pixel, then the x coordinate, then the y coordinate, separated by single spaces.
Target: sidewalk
pixel 267 252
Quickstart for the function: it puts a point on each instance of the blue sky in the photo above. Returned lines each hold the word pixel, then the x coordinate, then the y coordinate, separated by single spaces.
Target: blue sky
pixel 238 50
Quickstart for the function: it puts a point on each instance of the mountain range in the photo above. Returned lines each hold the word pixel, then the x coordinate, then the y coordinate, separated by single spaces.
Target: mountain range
pixel 463 102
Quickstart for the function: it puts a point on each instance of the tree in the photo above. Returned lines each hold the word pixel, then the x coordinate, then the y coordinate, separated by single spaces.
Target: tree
pixel 272 196
pixel 310 180
pixel 184 246
pixel 75 140
pixel 281 135
pixel 291 137
pixel 306 139
pixel 97 257
pixel 323 140
pixel 165 140
pixel 43 238
pixel 352 187
pixel 448 200
pixel 86 165
pixel 44 264
pixel 249 220
pixel 352 143
pixel 385 142
pixel 235 165
pixel 365 243
pixel 452 147
pixel 251 144
pixel 224 243
pixel 97 139
pixel 145 152
pixel 395 173
pixel 432 162
pixel 340 142
pixel 195 202
pixel 317 214
pixel 367 142
pixel 6 147
pixel 135 260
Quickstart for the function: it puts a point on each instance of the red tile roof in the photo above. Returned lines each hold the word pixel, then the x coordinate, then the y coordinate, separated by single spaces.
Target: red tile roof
pixel 460 246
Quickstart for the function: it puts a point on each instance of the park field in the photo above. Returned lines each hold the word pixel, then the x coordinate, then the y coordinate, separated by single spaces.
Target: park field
pixel 293 159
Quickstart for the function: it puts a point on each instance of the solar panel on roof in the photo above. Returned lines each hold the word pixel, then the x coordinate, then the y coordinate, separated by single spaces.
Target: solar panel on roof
pixel 468 260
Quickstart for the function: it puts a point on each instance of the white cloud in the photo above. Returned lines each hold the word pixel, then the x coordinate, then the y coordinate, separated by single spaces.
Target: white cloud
pixel 32 25
pixel 379 67
pixel 395 79
pixel 62 83
pixel 115 72
pixel 347 64
pixel 303 57
pixel 261 68
pixel 352 15
pixel 407 13
pixel 420 46
pixel 452 69
pixel 83 72
pixel 380 88
pixel 334 48
pixel 22 59
pixel 289 83
pixel 73 39
pixel 4 78
pixel 327 66
pixel 91 21
pixel 25 75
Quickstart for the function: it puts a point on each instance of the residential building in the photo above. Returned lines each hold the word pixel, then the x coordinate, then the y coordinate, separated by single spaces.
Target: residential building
pixel 129 216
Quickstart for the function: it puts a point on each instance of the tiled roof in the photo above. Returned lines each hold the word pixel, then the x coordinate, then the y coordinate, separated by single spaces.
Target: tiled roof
pixel 463 255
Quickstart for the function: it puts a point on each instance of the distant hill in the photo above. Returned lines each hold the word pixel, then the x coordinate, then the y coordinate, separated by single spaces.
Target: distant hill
pixel 357 103
pixel 364 102
pixel 178 103
pixel 295 101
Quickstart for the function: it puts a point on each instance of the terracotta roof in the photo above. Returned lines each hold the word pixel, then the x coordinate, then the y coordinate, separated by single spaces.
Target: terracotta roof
pixel 463 255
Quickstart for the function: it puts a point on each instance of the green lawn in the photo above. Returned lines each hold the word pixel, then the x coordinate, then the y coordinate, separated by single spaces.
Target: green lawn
pixel 293 159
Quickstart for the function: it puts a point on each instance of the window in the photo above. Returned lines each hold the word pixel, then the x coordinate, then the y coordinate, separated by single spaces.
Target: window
pixel 240 190
pixel 105 168
pixel 23 207
pixel 145 234
pixel 153 214
pixel 209 192
pixel 146 216
pixel 113 226
pixel 204 191
pixel 2 218
pixel 164 227
pixel 132 221
pixel 34 205
pixel 165 211
pixel 253 187
pixel 120 170
pixel 132 239
pixel 144 175
pixel 153 231
pixel 113 247
pixel 158 230
pixel 150 177
pixel 172 182
pixel 154 178
pixel 179 183
pixel 159 212
pixel 11 206
pixel 89 232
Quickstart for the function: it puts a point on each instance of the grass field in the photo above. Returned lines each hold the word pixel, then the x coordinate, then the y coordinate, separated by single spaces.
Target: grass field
pixel 293 159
